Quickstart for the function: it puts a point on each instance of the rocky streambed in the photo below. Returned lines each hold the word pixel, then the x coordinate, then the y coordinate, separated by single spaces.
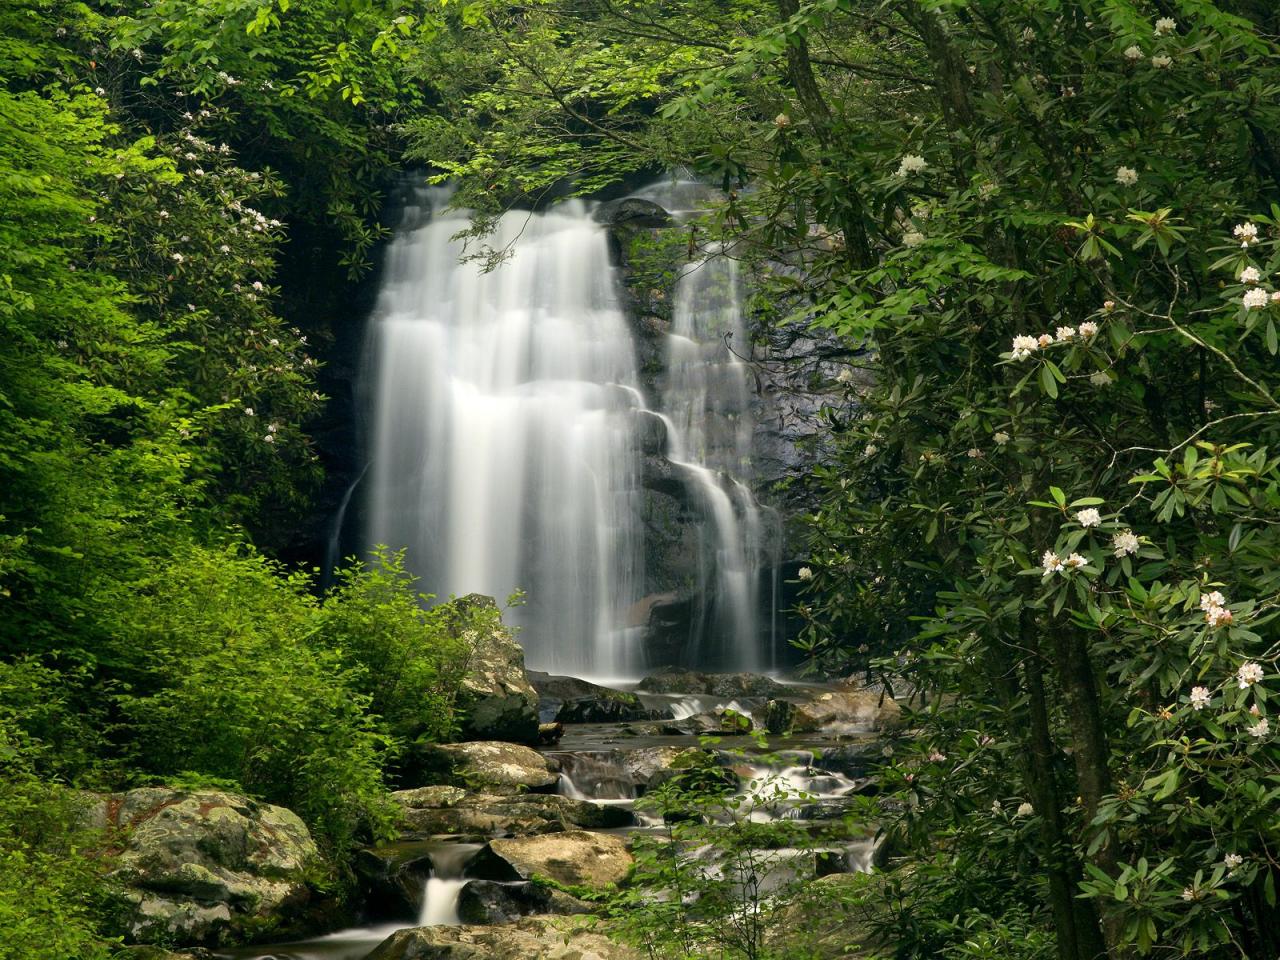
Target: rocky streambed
pixel 492 854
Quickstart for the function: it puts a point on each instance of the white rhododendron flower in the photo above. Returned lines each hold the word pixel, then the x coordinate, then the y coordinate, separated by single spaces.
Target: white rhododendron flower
pixel 1075 561
pixel 912 238
pixel 1165 25
pixel 1134 53
pixel 1124 543
pixel 912 163
pixel 1088 329
pixel 1248 674
pixel 1199 698
pixel 1260 729
pixel 1001 438
pixel 1255 299
pixel 1232 860
pixel 1051 562
pixel 1044 340
pixel 1025 810
pixel 1089 517
pixel 1215 599
pixel 1065 333
pixel 1250 275
pixel 1161 62
pixel 1100 379
pixel 1126 176
pixel 1246 233
pixel 1024 346
pixel 804 573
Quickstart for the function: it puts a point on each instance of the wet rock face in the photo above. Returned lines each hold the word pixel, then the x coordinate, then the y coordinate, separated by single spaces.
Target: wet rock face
pixel 573 858
pixel 205 867
pixel 713 684
pixel 485 901
pixel 528 939
pixel 478 817
pixel 392 879
pixel 496 700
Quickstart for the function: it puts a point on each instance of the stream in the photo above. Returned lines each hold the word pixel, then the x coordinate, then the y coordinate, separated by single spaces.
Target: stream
pixel 606 764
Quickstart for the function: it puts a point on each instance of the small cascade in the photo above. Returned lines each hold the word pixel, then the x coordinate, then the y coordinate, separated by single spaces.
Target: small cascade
pixel 598 777
pixel 440 895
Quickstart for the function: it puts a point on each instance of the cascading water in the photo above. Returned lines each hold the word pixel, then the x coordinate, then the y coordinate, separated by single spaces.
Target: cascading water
pixel 505 454
pixel 506 449
pixel 707 402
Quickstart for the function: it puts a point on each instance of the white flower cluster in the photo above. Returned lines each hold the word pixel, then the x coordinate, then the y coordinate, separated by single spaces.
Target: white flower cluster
pixel 1052 563
pixel 1246 233
pixel 1248 674
pixel 1025 345
pixel 1126 176
pixel 1215 609
pixel 1161 61
pixel 912 163
pixel 1089 517
pixel 1165 25
pixel 1124 543
pixel 1200 697
pixel 1134 52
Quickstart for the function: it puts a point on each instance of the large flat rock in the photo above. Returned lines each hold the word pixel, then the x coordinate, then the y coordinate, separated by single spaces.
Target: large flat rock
pixel 573 858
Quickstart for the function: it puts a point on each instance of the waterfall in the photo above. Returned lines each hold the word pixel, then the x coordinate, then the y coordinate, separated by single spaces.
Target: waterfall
pixel 506 442
pixel 505 453
pixel 707 401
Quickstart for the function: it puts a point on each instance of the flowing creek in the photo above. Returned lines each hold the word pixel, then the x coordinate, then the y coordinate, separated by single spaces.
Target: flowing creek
pixel 608 764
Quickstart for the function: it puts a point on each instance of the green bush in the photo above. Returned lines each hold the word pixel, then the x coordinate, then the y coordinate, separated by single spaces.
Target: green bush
pixel 230 683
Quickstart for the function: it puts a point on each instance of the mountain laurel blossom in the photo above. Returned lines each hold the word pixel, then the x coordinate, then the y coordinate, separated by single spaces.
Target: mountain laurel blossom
pixel 1089 517
pixel 1248 674
pixel 1126 176
pixel 1199 698
pixel 1124 543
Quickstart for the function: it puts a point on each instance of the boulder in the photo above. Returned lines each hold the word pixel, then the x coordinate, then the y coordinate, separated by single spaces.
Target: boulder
pixel 493 766
pixel 606 706
pixel 495 699
pixel 204 867
pixel 532 938
pixel 633 212
pixel 573 858
pixel 841 713
pixel 728 685
pixel 479 817
pixel 486 901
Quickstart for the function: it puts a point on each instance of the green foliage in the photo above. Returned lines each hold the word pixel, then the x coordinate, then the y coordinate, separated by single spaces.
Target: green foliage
pixel 408 659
